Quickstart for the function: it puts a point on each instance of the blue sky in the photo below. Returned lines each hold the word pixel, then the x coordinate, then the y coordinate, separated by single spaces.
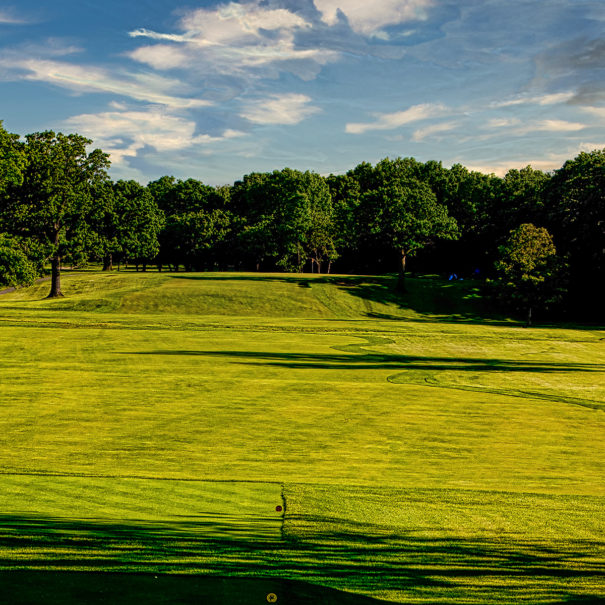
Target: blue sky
pixel 216 90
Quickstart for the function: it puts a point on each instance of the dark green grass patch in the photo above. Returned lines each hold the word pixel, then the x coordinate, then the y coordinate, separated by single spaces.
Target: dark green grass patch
pixel 75 588
pixel 401 545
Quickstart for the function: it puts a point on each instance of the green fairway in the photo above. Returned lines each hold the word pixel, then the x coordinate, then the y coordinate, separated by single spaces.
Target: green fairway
pixel 317 429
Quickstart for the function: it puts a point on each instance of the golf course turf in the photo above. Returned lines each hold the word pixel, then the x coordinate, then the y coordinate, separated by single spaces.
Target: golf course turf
pixel 239 435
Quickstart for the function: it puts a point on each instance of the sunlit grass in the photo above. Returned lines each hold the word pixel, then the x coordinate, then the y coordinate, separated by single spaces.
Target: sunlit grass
pixel 422 454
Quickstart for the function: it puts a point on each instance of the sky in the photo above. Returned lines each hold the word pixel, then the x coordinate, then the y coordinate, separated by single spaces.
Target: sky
pixel 216 90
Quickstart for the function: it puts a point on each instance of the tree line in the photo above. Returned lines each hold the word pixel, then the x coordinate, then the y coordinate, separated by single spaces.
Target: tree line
pixel 535 238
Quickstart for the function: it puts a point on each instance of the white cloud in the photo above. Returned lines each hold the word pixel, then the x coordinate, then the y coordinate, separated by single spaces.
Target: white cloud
pixel 231 38
pixel 422 133
pixel 599 112
pixel 141 87
pixel 516 126
pixel 10 18
pixel 591 146
pixel 279 109
pixel 234 22
pixel 551 99
pixel 503 122
pixel 547 162
pixel 367 17
pixel 148 33
pixel 500 168
pixel 390 121
pixel 555 126
pixel 123 133
pixel 160 56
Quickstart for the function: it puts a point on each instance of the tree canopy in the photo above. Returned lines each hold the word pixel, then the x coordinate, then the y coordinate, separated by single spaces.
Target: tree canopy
pixel 57 203
pixel 529 273
pixel 55 199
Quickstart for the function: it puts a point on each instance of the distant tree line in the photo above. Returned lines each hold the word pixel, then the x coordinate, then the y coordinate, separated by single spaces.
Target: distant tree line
pixel 536 239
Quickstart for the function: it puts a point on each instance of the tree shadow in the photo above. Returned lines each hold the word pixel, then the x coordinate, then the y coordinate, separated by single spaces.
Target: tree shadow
pixel 314 551
pixel 26 587
pixel 431 299
pixel 382 361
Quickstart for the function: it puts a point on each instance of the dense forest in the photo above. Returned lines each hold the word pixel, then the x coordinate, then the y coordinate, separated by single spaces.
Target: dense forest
pixel 535 239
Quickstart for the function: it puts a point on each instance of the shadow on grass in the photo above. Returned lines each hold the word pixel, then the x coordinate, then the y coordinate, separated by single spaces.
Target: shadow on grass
pixel 380 361
pixel 314 551
pixel 430 298
pixel 413 369
pixel 26 587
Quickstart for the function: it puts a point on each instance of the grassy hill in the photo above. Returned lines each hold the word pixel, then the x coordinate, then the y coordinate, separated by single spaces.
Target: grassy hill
pixel 289 428
pixel 257 295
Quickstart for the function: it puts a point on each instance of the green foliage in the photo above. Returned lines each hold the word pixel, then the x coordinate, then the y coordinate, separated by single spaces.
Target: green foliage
pixel 12 160
pixel 55 202
pixel 287 217
pixel 400 211
pixel 408 216
pixel 138 220
pixel 529 273
pixel 176 197
pixel 576 217
pixel 198 221
pixel 192 236
pixel 15 267
pixel 56 197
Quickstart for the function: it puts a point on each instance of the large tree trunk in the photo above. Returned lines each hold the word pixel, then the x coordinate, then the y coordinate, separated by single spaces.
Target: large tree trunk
pixel 108 263
pixel 528 325
pixel 401 277
pixel 55 284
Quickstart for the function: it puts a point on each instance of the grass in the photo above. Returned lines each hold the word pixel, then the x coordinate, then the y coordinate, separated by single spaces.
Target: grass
pixel 152 423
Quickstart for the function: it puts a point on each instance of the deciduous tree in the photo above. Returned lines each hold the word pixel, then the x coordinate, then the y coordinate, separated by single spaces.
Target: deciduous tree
pixel 402 212
pixel 55 200
pixel 529 273
pixel 15 267
pixel 576 217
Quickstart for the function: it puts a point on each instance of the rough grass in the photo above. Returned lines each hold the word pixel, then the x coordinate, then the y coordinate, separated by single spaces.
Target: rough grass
pixel 153 422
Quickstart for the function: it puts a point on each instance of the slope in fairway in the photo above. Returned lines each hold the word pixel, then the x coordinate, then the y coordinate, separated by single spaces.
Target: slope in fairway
pixel 157 422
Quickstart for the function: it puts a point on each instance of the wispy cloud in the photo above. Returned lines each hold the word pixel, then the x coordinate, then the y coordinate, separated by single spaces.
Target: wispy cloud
pixel 501 168
pixel 123 133
pixel 549 99
pixel 517 127
pixel 554 126
pixel 160 56
pixel 232 39
pixel 591 146
pixel 146 87
pixel 433 129
pixel 575 62
pixel 390 121
pixel 503 122
pixel 10 17
pixel 546 161
pixel 142 32
pixel 279 109
pixel 598 112
pixel 369 17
